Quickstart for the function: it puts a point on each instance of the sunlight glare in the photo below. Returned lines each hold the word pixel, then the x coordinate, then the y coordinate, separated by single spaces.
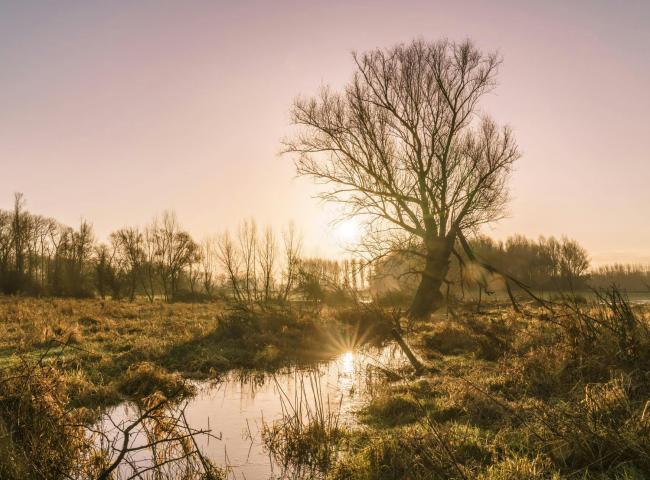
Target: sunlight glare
pixel 347 363
pixel 347 232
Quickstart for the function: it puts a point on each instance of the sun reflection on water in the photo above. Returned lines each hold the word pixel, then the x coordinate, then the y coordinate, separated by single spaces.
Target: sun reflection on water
pixel 346 373
pixel 347 363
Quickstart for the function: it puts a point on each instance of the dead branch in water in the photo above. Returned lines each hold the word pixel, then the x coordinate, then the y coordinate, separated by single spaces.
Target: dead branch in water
pixel 417 365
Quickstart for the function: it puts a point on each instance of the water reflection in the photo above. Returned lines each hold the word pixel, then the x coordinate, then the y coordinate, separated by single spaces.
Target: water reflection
pixel 347 363
pixel 236 407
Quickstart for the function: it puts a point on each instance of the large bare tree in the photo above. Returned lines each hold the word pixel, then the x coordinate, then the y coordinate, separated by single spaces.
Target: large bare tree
pixel 404 145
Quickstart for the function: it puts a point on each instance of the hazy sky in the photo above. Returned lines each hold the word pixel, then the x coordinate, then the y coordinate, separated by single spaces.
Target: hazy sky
pixel 117 110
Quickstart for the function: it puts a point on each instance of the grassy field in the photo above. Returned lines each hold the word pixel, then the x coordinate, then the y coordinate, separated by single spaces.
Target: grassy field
pixel 105 348
pixel 537 394
pixel 515 396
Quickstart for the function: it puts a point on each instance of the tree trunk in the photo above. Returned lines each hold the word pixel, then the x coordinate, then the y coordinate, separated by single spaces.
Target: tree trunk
pixel 428 296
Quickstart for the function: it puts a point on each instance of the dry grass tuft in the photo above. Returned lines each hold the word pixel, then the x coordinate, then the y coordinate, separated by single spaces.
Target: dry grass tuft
pixel 144 379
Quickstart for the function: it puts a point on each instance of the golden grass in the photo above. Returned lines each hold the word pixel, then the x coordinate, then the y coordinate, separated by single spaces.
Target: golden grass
pixel 535 397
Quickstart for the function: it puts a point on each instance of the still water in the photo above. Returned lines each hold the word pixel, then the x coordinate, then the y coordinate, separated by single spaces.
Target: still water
pixel 235 408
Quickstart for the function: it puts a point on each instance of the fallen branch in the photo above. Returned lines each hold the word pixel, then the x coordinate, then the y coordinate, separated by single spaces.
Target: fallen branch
pixel 417 365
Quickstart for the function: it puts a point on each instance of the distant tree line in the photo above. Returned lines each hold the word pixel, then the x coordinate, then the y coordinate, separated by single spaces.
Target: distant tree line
pixel 332 281
pixel 547 263
pixel 629 277
pixel 543 264
pixel 41 256
pixel 559 264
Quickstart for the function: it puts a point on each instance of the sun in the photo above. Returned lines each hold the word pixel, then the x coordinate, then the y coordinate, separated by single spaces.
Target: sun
pixel 347 232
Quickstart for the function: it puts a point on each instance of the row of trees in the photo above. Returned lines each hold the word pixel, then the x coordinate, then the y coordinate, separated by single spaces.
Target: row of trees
pixel 542 264
pixel 155 261
pixel 40 256
pixel 333 281
pixel 632 278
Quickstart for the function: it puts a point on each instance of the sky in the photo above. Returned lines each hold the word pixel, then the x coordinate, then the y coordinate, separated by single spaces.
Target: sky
pixel 115 111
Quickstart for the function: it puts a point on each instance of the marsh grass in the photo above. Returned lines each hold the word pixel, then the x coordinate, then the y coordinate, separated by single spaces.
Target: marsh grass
pixel 309 434
pixel 414 452
pixel 392 410
pixel 144 379
pixel 116 350
pixel 43 436
pixel 35 439
pixel 543 394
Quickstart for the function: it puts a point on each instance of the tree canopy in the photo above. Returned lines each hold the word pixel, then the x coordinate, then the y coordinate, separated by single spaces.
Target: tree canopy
pixel 405 145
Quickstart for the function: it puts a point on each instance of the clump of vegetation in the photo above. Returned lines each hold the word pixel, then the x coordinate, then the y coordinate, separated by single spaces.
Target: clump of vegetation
pixel 393 409
pixel 366 323
pixel 561 392
pixel 483 337
pixel 309 434
pixel 38 436
pixel 312 446
pixel 264 339
pixel 451 339
pixel 521 468
pixel 145 379
pixel 415 453
pixel 43 436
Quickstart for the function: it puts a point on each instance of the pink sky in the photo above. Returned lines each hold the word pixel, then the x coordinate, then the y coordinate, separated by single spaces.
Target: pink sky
pixel 115 111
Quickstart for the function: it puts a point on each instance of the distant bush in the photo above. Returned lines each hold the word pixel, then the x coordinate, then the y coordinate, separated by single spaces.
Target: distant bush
pixel 394 298
pixel 189 296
